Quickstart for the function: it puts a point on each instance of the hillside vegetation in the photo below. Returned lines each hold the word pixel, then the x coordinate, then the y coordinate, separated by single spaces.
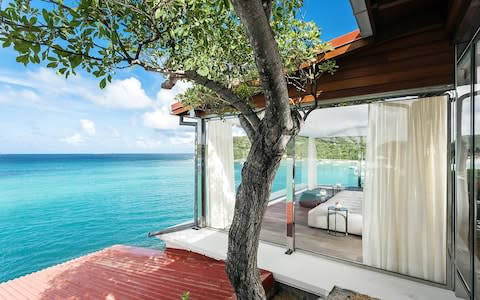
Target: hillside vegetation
pixel 345 148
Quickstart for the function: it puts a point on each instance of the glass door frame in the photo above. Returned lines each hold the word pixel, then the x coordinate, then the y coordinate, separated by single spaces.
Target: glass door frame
pixel 449 181
pixel 467 291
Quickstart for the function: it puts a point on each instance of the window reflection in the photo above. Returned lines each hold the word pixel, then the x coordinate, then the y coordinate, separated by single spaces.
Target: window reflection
pixel 477 166
pixel 464 170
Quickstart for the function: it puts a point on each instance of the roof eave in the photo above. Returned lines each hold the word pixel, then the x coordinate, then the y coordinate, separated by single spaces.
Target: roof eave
pixel 360 11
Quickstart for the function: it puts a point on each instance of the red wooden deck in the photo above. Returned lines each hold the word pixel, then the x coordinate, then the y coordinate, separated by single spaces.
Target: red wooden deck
pixel 124 272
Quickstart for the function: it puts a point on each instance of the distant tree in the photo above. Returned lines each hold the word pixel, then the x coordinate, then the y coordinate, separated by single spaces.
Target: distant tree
pixel 241 147
pixel 229 50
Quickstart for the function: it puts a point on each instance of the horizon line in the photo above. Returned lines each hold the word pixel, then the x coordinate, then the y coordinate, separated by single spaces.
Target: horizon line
pixel 104 153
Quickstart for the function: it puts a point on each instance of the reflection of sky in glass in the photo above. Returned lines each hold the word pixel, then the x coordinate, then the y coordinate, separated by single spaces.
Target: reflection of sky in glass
pixel 463 92
pixel 477 90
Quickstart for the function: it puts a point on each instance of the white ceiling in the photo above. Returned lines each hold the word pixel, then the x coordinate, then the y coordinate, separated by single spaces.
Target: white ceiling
pixel 337 121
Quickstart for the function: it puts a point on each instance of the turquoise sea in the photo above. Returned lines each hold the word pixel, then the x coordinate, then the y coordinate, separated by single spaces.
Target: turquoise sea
pixel 57 207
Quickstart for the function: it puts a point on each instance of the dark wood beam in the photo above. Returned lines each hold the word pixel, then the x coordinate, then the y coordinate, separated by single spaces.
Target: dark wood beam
pixel 456 9
pixel 388 4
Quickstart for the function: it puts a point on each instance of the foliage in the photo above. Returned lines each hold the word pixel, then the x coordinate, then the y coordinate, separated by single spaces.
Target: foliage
pixel 171 37
pixel 186 296
pixel 241 146
pixel 345 148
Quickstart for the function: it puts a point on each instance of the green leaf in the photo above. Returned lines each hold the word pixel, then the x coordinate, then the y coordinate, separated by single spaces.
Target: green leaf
pixel 24 59
pixel 75 61
pixel 227 4
pixel 7 43
pixel 36 59
pixel 21 46
pixel 52 65
pixel 45 15
pixel 36 48
pixel 203 71
pixel 159 13
pixel 103 83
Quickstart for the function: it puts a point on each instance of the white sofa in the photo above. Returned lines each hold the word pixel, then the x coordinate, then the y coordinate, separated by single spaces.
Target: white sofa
pixel 317 217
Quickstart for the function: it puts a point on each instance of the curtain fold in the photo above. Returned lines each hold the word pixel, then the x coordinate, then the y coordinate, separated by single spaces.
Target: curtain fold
pixel 312 163
pixel 220 174
pixel 405 188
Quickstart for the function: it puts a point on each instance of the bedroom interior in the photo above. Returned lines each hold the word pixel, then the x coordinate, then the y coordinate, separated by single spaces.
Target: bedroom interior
pixel 370 191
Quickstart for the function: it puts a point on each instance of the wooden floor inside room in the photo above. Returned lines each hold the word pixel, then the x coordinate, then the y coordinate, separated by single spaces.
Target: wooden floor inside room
pixel 308 238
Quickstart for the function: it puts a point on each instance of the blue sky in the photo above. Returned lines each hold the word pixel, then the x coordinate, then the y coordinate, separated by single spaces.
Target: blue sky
pixel 41 112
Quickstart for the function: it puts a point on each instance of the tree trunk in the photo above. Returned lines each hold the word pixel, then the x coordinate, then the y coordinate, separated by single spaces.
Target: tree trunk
pixel 269 141
pixel 251 202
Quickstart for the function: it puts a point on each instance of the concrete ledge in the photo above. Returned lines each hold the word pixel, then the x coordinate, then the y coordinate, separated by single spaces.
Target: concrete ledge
pixel 310 273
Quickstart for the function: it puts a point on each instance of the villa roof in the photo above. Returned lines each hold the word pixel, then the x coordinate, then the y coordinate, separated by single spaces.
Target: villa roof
pixel 342 45
pixel 402 47
pixel 124 272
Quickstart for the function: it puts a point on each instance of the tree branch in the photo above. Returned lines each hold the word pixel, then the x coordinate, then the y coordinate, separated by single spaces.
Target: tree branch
pixel 43 43
pixel 267 8
pixel 227 95
pixel 247 127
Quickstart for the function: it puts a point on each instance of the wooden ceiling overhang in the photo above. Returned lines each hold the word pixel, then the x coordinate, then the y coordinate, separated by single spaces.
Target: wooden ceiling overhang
pixel 411 48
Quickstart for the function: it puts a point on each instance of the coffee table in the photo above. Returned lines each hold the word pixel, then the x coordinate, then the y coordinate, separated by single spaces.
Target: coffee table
pixel 333 210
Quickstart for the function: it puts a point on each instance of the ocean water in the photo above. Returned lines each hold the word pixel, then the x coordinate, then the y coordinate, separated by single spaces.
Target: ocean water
pixel 57 207
pixel 329 172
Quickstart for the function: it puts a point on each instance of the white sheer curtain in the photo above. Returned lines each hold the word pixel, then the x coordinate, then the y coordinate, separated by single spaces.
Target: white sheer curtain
pixel 312 163
pixel 405 188
pixel 220 174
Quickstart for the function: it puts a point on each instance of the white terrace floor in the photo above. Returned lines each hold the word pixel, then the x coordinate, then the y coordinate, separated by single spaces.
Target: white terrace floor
pixel 311 273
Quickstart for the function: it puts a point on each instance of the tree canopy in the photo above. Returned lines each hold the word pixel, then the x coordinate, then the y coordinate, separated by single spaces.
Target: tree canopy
pixel 202 41
pixel 229 49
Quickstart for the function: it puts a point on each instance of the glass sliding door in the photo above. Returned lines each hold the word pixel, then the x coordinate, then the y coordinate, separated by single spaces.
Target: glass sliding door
pixel 476 88
pixel 375 185
pixel 278 222
pixel 464 163
pixel 330 149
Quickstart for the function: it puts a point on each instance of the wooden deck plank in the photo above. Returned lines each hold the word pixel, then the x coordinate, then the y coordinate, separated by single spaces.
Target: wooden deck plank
pixel 308 238
pixel 124 272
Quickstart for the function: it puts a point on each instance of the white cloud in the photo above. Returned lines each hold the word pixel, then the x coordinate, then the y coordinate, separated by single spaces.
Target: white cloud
pixel 161 118
pixel 88 130
pixel 163 141
pixel 88 127
pixel 10 95
pixel 115 133
pixel 120 94
pixel 167 97
pixel 46 90
pixel 188 138
pixel 126 94
pixel 74 140
pixel 144 143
